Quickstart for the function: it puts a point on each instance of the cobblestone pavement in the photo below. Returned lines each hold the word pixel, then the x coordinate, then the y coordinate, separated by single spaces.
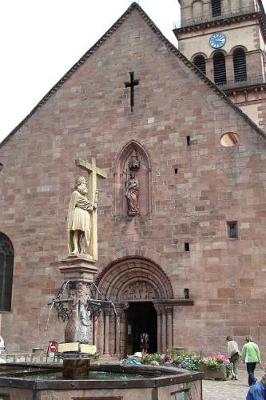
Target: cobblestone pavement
pixel 228 390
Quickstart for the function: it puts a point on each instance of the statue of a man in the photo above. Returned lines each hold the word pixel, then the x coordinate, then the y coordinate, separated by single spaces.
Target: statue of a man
pixel 79 218
pixel 132 194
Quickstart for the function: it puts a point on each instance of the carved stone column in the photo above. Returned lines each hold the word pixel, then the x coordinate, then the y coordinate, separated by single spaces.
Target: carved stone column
pixel 169 313
pixel 120 311
pixel 106 332
pixel 95 330
pixel 164 327
pixel 100 338
pixel 120 329
pixel 164 330
pixel 159 328
pixel 112 336
pixel 118 335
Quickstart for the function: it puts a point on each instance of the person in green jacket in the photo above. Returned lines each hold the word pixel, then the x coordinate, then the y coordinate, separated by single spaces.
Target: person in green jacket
pixel 250 354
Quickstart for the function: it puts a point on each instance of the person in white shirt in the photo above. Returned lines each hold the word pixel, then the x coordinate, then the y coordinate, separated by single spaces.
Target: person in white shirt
pixel 233 354
pixel 2 345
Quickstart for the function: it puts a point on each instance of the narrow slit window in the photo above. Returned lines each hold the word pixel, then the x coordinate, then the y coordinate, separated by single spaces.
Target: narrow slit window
pixel 232 229
pixel 187 246
pixel 188 141
pixel 176 170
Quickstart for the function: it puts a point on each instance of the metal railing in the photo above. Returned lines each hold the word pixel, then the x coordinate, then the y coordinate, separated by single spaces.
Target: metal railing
pixel 250 81
pixel 208 18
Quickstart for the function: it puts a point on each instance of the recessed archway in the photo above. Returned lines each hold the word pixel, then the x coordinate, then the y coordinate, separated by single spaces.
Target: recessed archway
pixel 134 278
pixel 131 282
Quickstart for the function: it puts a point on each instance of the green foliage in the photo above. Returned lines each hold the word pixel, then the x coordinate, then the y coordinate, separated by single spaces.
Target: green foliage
pixel 150 358
pixel 190 360
pixel 215 361
pixel 186 360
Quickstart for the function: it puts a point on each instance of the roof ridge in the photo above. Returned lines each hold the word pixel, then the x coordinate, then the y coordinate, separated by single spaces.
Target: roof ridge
pixel 102 39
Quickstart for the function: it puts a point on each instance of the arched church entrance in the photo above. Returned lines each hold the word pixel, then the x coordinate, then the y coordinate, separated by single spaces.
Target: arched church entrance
pixel 142 294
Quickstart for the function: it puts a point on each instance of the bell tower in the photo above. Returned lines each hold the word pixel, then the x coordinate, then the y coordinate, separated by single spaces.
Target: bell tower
pixel 226 39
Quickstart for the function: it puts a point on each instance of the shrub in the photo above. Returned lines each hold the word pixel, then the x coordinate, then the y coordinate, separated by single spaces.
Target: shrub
pixel 190 361
pixel 150 358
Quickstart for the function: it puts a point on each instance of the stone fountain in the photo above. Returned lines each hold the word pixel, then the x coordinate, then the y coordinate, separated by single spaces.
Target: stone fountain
pixel 77 305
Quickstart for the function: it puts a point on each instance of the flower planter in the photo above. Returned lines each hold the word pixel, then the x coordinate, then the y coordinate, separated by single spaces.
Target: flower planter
pixel 214 373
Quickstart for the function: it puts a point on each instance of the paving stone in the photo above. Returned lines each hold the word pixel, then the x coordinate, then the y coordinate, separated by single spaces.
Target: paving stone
pixel 228 390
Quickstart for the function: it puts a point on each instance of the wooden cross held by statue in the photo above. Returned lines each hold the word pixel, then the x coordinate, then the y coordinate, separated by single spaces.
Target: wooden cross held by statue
pixel 93 172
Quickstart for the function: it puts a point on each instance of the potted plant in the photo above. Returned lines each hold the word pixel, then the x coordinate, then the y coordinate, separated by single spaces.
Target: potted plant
pixel 215 367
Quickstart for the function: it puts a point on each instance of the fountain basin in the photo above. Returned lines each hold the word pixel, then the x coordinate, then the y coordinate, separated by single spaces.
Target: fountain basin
pixel 115 382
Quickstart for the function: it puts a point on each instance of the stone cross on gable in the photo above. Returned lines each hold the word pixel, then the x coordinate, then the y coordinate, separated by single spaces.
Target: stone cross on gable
pixel 93 172
pixel 131 84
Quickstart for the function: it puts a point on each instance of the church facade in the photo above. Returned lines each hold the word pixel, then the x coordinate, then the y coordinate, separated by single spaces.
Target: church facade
pixel 181 215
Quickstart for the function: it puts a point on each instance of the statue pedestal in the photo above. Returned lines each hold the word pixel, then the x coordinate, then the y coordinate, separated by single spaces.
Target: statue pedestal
pixel 78 268
pixel 79 273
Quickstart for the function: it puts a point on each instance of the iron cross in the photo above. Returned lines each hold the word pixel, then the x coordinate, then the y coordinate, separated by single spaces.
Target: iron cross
pixel 133 82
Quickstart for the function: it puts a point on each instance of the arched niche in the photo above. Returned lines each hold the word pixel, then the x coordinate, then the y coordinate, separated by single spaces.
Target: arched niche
pixel 133 159
pixel 6 272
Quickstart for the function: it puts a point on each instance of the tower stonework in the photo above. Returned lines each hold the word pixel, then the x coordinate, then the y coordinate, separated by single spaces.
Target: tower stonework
pixel 226 40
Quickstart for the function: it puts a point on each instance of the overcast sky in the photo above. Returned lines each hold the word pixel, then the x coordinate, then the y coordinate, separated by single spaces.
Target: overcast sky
pixel 42 39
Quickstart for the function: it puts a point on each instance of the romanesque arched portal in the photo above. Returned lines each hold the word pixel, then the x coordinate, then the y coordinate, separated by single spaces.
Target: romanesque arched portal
pixel 127 282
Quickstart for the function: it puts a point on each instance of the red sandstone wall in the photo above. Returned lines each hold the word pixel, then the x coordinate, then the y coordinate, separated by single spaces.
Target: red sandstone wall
pixel 89 116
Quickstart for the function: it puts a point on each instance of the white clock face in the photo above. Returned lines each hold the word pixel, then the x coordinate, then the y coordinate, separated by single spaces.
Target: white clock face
pixel 217 40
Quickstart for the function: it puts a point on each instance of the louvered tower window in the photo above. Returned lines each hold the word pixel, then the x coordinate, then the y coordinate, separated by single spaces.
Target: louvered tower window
pixel 6 272
pixel 219 68
pixel 216 8
pixel 200 62
pixel 240 65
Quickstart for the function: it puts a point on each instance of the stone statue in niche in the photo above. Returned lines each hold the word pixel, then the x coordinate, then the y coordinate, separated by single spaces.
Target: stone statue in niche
pixel 132 194
pixel 79 218
pixel 132 186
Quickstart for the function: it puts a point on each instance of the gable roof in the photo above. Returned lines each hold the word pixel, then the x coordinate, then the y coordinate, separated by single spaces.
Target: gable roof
pixel 170 46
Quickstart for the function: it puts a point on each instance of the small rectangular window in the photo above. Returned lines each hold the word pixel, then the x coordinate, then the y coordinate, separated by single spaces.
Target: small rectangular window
pixel 186 246
pixel 188 141
pixel 232 229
